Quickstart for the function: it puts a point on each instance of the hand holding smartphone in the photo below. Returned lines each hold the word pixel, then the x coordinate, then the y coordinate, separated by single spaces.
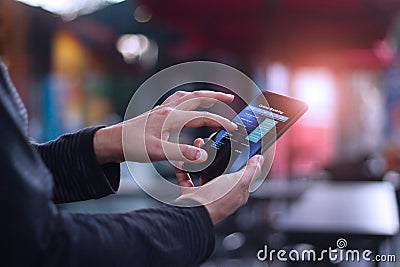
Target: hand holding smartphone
pixel 260 124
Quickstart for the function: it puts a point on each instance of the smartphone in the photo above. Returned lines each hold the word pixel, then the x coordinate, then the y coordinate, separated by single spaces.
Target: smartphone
pixel 260 124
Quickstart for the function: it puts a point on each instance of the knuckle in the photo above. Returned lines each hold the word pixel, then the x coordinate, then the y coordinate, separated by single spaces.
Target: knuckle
pixel 180 93
pixel 185 150
pixel 197 93
pixel 164 111
pixel 243 183
pixel 156 146
pixel 206 115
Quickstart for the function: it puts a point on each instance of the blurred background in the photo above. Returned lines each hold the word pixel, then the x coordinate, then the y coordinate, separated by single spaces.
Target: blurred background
pixel 77 63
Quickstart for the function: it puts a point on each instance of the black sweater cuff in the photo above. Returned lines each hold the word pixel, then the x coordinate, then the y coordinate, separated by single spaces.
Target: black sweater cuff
pixel 104 178
pixel 76 173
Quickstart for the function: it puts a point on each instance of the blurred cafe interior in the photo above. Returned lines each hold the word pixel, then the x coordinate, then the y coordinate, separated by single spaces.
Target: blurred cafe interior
pixel 335 174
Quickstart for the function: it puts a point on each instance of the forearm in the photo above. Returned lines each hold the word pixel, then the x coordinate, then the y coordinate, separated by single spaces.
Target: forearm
pixel 167 236
pixel 76 172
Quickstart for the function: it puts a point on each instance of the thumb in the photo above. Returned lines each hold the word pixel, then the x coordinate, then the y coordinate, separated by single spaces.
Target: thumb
pixel 252 169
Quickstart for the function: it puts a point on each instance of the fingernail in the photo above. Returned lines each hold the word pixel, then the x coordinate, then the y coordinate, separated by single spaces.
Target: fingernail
pixel 201 155
pixel 198 154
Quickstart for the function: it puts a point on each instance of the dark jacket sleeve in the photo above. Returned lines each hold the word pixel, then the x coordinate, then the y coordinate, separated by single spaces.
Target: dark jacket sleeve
pixel 76 173
pixel 36 233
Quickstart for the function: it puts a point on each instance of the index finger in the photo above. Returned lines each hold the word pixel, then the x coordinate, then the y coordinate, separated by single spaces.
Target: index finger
pixel 195 119
pixel 193 100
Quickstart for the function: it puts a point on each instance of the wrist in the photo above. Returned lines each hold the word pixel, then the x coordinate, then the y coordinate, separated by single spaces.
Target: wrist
pixel 215 215
pixel 107 144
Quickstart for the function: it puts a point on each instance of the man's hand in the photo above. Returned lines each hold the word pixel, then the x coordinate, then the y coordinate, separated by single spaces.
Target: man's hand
pixel 233 188
pixel 146 136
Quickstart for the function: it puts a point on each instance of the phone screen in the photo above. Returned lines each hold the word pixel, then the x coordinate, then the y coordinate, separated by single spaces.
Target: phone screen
pixel 260 123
